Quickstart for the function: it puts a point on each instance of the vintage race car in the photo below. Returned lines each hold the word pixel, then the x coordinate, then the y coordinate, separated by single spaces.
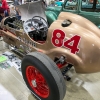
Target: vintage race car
pixel 48 53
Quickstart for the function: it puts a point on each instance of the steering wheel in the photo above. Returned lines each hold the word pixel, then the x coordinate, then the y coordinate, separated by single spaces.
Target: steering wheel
pixel 39 23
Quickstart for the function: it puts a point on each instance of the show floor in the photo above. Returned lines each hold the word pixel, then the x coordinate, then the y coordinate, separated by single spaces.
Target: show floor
pixel 81 87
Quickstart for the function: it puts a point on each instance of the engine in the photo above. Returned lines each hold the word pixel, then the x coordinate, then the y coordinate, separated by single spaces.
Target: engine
pixel 14 22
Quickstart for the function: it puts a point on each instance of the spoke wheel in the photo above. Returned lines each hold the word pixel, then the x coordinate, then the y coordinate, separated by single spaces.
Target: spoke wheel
pixel 37 81
pixel 43 77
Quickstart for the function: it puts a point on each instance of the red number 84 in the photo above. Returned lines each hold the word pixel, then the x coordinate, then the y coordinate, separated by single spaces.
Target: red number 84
pixel 58 37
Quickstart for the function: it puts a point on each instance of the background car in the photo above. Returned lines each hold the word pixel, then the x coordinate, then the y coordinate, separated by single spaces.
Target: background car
pixel 88 10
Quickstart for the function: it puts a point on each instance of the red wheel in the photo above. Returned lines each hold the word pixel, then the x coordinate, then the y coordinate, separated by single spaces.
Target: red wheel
pixel 43 77
pixel 37 82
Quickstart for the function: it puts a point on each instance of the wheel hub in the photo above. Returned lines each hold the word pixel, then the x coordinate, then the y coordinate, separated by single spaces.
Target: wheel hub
pixel 34 83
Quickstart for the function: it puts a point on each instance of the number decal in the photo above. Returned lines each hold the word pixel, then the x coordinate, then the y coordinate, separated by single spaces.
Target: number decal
pixel 73 44
pixel 58 37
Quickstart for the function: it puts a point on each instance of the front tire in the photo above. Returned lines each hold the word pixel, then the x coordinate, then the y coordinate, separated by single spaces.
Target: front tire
pixel 43 77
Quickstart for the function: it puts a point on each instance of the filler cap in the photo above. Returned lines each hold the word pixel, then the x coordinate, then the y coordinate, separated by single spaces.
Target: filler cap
pixel 66 23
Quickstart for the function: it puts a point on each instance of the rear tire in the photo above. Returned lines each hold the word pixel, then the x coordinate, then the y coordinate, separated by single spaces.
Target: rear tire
pixel 43 77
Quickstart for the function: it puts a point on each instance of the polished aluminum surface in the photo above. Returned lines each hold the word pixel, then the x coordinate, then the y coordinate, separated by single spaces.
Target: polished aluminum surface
pixel 30 10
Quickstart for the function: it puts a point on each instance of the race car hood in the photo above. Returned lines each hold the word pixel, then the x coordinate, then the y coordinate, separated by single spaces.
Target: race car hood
pixel 87 59
pixel 29 10
pixel 81 21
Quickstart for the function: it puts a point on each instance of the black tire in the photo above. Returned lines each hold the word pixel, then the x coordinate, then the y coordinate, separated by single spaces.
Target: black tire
pixel 49 71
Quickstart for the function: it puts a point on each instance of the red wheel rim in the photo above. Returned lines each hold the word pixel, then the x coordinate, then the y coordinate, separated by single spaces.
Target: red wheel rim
pixel 37 82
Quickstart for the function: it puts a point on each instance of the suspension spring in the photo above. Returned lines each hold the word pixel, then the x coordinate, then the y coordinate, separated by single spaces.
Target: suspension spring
pixel 67 69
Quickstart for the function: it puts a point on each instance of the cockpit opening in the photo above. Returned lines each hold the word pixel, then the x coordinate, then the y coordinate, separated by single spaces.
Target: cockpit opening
pixel 36 28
